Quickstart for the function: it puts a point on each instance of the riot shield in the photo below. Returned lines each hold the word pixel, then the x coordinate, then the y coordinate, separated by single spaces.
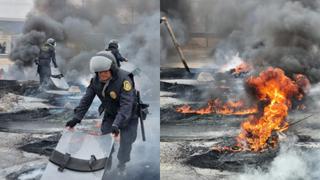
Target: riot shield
pixel 79 156
pixel 57 79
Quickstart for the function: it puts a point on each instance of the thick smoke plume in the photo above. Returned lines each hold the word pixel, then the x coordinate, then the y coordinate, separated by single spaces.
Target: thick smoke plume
pixel 279 33
pixel 81 30
pixel 291 163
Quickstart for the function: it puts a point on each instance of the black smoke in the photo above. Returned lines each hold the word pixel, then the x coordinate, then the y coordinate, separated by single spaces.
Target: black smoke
pixel 279 33
pixel 81 29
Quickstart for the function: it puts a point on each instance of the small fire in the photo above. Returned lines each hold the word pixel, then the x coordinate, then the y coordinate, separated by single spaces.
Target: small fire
pixel 216 106
pixel 242 68
pixel 236 66
pixel 274 87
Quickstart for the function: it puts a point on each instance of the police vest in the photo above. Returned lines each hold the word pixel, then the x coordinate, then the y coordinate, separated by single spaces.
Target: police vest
pixel 46 53
pixel 111 99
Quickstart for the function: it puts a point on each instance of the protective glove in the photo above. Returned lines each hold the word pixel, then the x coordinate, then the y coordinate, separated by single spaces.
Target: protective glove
pixel 115 130
pixel 72 122
pixel 126 60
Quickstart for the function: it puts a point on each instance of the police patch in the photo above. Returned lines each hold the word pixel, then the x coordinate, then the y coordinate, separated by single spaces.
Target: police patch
pixel 127 85
pixel 113 95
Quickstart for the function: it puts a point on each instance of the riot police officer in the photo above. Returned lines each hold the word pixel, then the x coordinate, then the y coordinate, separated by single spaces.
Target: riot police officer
pixel 46 56
pixel 116 91
pixel 113 46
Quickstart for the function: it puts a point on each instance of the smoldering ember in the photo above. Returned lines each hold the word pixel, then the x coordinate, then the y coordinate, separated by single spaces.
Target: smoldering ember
pixel 247 104
pixel 33 116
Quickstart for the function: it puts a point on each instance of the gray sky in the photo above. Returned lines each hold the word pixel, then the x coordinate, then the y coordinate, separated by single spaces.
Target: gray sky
pixel 15 8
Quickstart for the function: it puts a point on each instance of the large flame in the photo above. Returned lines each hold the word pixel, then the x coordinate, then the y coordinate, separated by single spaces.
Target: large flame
pixel 274 87
pixel 216 106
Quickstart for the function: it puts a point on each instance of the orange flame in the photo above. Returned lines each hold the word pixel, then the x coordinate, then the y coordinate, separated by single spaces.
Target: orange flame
pixel 241 68
pixel 303 83
pixel 217 107
pixel 275 87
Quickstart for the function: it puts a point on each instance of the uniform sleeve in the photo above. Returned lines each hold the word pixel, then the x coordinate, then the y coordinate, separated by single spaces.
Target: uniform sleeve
pixel 53 55
pixel 127 101
pixel 85 102
pixel 119 56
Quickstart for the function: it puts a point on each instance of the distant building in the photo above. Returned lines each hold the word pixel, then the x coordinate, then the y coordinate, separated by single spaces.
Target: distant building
pixel 9 29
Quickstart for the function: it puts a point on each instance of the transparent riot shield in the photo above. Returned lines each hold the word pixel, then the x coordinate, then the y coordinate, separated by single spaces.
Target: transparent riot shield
pixel 78 148
pixel 57 79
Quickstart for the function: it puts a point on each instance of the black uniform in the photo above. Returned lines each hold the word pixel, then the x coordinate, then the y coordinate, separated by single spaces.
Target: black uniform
pixel 113 47
pixel 47 54
pixel 119 103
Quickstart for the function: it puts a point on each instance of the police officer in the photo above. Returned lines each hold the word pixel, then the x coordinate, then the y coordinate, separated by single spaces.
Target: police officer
pixel 115 89
pixel 46 55
pixel 4 47
pixel 113 46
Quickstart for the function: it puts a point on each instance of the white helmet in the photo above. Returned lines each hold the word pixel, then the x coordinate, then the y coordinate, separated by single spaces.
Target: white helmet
pixel 51 41
pixel 100 63
pixel 107 54
pixel 113 43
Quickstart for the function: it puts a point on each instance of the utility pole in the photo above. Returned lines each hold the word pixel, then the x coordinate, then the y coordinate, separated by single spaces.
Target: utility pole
pixel 175 42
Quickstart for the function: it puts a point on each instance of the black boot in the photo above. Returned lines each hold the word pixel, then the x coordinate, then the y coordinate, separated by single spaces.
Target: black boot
pixel 122 169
